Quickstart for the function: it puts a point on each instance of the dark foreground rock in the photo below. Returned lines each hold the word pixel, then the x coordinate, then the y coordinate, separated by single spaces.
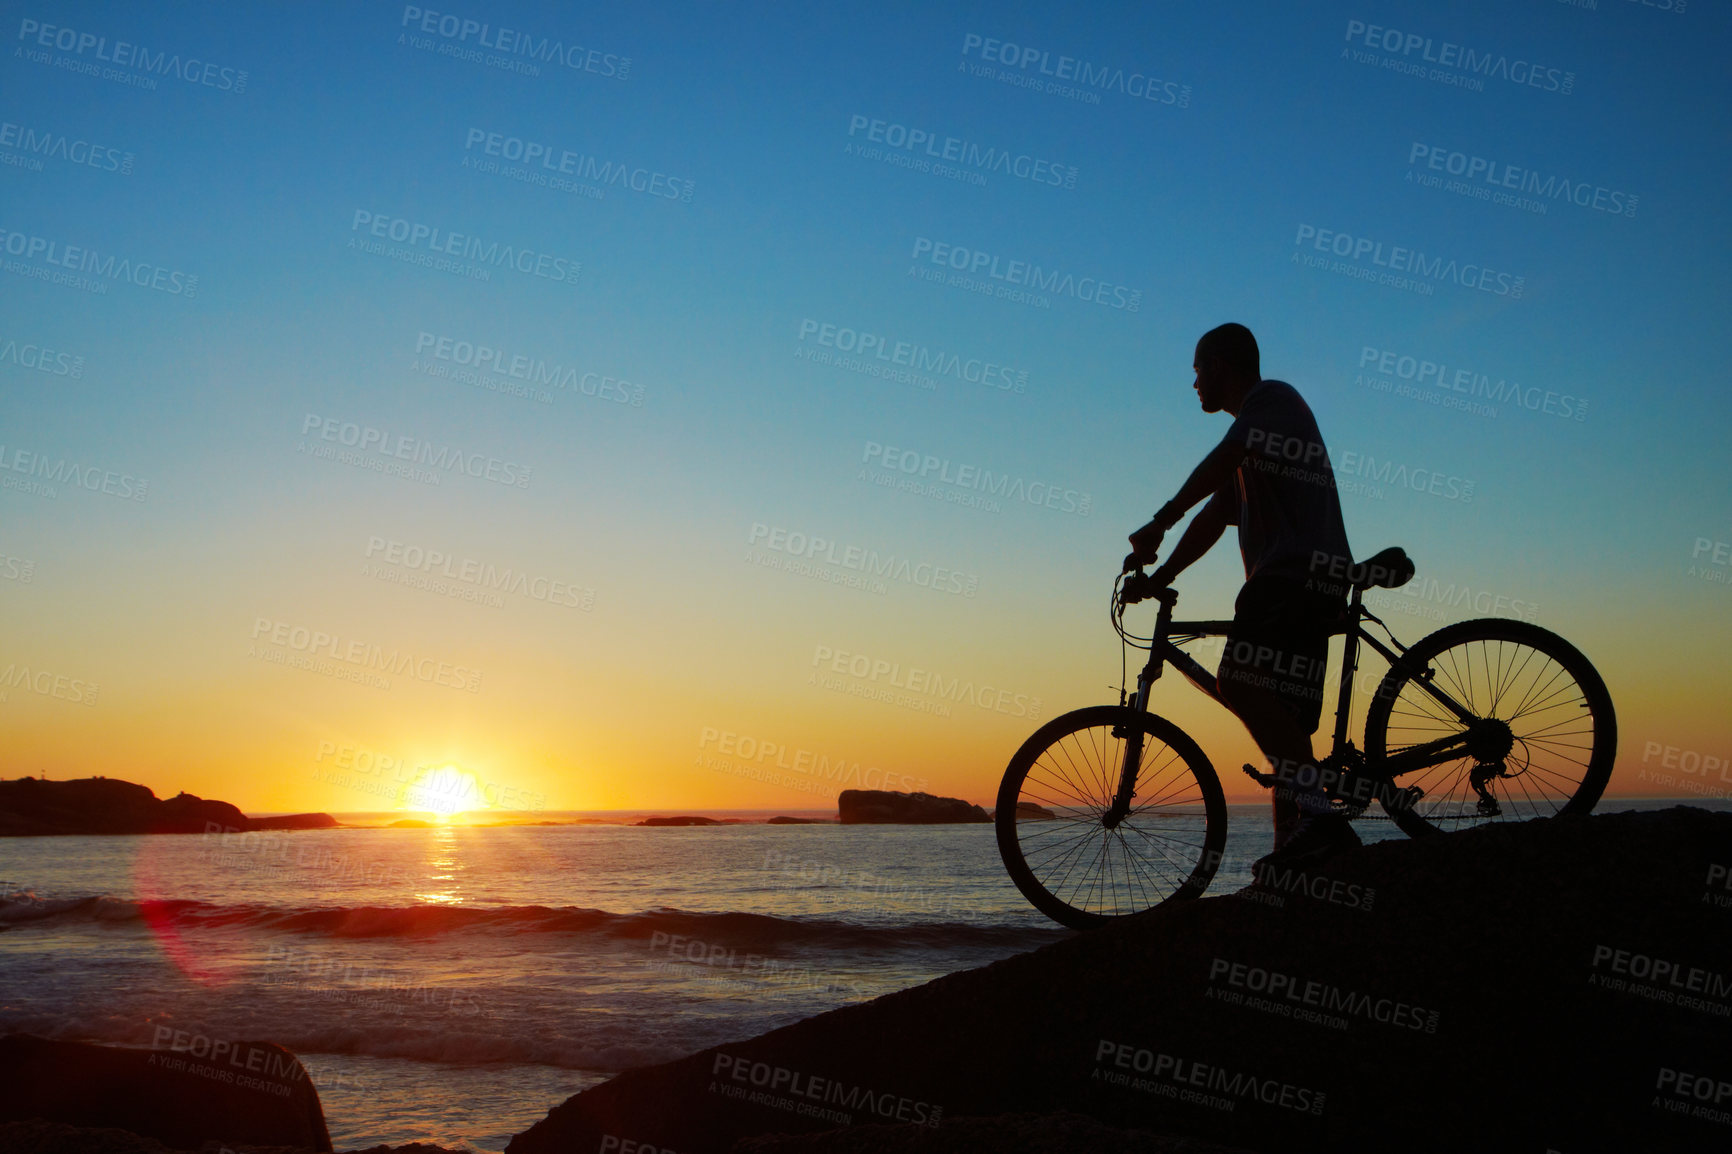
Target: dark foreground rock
pixel 1562 984
pixel 887 807
pixel 250 1092
pixel 1005 1134
pixel 59 1138
pixel 31 807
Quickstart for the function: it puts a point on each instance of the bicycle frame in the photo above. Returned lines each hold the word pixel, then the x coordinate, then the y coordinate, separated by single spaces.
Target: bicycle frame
pixel 1163 651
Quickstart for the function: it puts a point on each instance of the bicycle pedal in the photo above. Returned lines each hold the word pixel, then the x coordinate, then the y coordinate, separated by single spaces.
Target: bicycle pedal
pixel 1266 780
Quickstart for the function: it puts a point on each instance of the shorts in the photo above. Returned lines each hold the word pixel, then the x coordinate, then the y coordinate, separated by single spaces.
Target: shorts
pixel 1280 642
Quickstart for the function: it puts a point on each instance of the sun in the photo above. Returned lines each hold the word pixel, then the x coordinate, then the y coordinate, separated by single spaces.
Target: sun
pixel 444 792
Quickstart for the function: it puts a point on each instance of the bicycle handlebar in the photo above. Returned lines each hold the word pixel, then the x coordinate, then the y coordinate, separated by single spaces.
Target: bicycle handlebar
pixel 1143 587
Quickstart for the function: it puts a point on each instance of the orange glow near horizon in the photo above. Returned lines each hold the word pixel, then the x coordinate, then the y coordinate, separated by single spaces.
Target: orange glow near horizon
pixel 617 731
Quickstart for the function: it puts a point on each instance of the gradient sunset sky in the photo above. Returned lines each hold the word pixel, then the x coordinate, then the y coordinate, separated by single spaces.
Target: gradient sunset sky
pixel 1601 512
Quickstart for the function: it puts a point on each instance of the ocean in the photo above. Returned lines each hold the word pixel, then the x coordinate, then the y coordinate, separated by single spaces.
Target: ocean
pixel 451 984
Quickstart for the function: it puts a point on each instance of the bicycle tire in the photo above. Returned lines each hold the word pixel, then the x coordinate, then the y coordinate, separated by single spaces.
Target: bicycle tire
pixel 1555 770
pixel 1166 849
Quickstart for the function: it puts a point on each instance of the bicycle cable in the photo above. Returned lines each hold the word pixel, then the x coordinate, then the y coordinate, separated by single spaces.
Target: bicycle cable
pixel 1116 614
pixel 1127 639
pixel 1387 632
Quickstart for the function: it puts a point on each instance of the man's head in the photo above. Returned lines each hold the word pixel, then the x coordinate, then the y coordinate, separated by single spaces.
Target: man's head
pixel 1227 365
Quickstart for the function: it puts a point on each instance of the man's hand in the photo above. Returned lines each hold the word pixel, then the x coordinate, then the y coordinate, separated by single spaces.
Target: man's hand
pixel 1146 542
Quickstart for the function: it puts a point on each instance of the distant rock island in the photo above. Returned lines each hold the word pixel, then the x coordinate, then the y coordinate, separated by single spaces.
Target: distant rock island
pixel 888 807
pixel 33 807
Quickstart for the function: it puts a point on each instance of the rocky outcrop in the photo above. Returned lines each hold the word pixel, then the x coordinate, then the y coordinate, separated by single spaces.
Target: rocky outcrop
pixel 192 1090
pixel 1561 984
pixel 32 807
pixel 887 807
pixel 295 821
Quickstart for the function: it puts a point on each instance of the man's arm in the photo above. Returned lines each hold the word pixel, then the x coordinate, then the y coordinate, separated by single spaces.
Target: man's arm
pixel 1210 476
pixel 1199 537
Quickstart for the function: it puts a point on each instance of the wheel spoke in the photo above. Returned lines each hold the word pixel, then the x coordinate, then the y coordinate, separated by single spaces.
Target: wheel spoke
pixel 1553 704
pixel 1079 867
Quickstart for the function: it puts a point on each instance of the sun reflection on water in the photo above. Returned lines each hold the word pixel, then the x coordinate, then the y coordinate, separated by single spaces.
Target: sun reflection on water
pixel 443 867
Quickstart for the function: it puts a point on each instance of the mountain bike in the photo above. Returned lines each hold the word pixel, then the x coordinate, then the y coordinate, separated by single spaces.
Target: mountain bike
pixel 1108 811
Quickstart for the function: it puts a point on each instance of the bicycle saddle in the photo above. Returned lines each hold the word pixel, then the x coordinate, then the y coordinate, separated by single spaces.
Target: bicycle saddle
pixel 1390 569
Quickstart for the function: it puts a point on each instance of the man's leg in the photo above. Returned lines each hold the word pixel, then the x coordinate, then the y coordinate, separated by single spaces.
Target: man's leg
pixel 1287 746
pixel 1271 676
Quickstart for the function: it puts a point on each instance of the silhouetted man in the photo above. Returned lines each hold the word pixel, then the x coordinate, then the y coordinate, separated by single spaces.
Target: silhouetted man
pixel 1270 476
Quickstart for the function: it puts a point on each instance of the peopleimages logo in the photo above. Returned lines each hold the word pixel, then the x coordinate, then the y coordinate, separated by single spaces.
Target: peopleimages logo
pixel 984 158
pixel 1026 274
pixel 1439 377
pixel 58 146
pixel 1199 1083
pixel 70 473
pixel 1503 180
pixel 363 655
pixel 443 242
pixel 1084 79
pixel 858 558
pixel 918 358
pixel 926 683
pixel 533 371
pixel 578 165
pixel 365 438
pixel 742 750
pixel 460 31
pixel 1310 999
pixel 933 471
pixel 1370 255
pixel 1457 63
pixel 46 683
pixel 482 575
pixel 54 255
pixel 127 55
pixel 1363 473
pixel 41 358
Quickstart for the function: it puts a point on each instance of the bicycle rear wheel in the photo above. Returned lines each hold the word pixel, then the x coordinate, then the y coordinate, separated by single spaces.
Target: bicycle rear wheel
pixel 1545 738
pixel 1053 805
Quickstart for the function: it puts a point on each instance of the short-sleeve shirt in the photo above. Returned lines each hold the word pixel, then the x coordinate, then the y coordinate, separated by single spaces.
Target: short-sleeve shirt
pixel 1283 495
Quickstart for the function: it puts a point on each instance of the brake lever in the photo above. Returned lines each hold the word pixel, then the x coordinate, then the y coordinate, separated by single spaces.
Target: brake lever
pixel 1133 591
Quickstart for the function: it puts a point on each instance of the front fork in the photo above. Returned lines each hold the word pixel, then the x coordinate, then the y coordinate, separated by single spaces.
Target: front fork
pixel 1132 736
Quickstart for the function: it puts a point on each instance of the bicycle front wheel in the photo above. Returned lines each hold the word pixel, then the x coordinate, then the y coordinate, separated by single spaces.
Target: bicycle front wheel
pixel 1055 831
pixel 1542 742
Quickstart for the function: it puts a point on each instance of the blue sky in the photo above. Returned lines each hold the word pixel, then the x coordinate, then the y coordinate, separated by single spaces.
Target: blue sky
pixel 1196 204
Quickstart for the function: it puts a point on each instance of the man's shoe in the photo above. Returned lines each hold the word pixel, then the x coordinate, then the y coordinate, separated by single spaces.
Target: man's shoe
pixel 1319 836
